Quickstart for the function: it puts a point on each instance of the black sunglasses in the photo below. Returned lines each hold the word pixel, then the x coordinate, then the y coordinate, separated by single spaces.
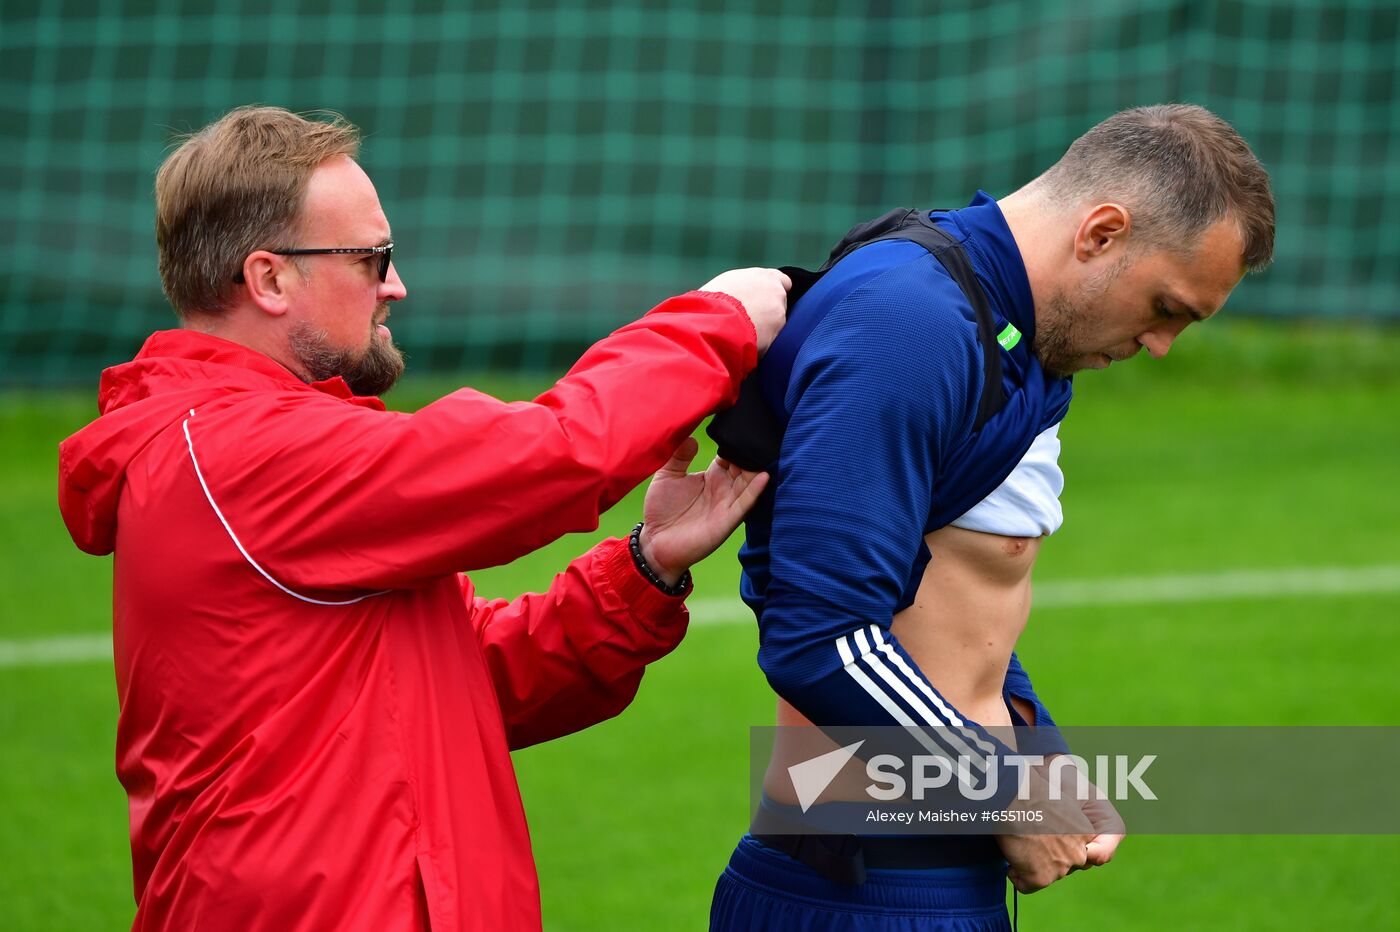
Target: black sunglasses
pixel 385 254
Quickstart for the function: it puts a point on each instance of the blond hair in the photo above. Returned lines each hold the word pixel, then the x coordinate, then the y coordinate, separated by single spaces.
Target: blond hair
pixel 234 187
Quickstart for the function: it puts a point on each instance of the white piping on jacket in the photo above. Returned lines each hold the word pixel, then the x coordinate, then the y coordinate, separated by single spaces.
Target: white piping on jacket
pixel 199 474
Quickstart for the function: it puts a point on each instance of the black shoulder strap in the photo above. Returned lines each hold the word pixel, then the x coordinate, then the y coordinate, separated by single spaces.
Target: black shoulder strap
pixel 950 254
pixel 750 433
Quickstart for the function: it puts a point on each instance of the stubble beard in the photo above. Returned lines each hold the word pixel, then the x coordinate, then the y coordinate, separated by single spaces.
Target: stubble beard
pixel 372 371
pixel 1061 333
pixel 1055 337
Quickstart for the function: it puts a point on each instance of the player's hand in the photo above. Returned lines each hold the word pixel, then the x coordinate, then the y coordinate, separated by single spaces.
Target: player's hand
pixel 763 293
pixel 1060 842
pixel 688 515
pixel 1108 825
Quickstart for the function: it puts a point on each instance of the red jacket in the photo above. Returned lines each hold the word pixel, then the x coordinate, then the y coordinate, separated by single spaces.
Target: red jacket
pixel 316 711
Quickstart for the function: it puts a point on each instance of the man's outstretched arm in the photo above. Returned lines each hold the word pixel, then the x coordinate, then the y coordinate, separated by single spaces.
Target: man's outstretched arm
pixel 342 498
pixel 574 655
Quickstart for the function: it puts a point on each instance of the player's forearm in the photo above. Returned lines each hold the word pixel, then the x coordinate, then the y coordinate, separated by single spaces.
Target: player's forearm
pixel 865 678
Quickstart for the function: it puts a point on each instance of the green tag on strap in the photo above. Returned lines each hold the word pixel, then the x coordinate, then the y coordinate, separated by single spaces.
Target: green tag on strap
pixel 1009 337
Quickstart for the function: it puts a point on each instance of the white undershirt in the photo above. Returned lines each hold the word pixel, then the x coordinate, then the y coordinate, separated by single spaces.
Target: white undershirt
pixel 1027 504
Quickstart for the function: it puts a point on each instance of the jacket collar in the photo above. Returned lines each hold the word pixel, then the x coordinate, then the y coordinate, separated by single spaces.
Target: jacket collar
pixel 996 259
pixel 189 355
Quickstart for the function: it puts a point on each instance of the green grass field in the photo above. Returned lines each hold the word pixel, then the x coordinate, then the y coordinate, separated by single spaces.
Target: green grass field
pixel 1254 447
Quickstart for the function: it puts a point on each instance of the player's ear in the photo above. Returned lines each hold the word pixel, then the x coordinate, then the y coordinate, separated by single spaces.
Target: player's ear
pixel 1103 229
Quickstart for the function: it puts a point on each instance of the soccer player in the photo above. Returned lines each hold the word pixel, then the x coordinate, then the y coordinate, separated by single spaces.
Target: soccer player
pixel 317 710
pixel 874 607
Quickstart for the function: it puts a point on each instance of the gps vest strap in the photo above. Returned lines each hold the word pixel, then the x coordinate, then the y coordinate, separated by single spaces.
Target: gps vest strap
pixel 750 433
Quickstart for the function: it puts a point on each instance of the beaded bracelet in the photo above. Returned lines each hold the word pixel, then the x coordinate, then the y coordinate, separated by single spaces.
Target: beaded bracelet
pixel 634 543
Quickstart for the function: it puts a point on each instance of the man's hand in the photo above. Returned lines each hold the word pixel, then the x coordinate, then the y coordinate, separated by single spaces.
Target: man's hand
pixel 688 515
pixel 1108 826
pixel 1093 802
pixel 1060 843
pixel 763 293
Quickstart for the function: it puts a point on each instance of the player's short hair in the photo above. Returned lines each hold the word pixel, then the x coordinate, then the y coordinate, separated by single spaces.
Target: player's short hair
pixel 234 187
pixel 1179 169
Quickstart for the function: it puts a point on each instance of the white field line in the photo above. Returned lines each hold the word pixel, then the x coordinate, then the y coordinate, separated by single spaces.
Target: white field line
pixel 1145 590
pixel 70 648
pixel 1154 590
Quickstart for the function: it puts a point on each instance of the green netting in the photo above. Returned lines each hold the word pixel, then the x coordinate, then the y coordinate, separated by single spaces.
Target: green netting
pixel 551 170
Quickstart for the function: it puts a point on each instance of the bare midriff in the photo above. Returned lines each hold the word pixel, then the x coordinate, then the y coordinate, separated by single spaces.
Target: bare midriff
pixel 971 606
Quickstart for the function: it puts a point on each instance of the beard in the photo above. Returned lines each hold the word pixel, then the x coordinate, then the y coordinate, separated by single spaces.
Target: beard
pixel 1065 333
pixel 1056 337
pixel 371 371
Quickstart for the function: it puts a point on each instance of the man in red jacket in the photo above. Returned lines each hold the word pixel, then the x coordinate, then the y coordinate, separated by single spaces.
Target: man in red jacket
pixel 316 710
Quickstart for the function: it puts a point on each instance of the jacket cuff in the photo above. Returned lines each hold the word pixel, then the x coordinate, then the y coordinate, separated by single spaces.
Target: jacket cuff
pixel 645 600
pixel 736 303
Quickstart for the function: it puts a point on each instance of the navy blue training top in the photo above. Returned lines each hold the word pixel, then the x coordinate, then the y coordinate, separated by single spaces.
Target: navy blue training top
pixel 878 451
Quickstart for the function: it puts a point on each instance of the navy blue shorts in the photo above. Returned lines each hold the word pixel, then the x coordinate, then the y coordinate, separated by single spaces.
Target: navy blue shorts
pixel 764 889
